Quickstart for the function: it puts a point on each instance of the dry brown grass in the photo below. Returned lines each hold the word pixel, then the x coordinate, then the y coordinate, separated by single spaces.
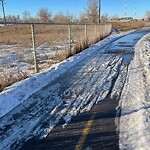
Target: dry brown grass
pixel 125 26
pixel 15 35
pixel 20 36
pixel 7 80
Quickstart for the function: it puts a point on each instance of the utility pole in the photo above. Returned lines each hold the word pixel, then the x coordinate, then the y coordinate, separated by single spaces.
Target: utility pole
pixel 99 11
pixel 125 8
pixel 134 4
pixel 3 11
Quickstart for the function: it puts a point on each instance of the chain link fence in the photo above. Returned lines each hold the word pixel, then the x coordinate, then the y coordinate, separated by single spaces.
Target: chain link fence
pixel 29 48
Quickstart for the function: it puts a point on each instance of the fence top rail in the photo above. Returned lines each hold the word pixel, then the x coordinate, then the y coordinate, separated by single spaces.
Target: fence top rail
pixel 40 23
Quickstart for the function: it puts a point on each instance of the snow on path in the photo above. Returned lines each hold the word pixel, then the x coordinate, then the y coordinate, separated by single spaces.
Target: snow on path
pixel 76 90
pixel 19 92
pixel 135 101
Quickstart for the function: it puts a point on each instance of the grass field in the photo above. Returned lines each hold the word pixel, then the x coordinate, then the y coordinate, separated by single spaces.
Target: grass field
pixel 52 46
pixel 125 26
pixel 21 34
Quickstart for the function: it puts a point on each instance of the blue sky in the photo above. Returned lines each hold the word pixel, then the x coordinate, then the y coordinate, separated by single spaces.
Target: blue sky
pixel 111 7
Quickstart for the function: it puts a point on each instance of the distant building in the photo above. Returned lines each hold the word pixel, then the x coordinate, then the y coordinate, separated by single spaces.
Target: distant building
pixel 126 19
pixel 144 19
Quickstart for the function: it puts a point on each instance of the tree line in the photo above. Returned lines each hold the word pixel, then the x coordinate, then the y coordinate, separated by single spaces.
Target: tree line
pixel 44 15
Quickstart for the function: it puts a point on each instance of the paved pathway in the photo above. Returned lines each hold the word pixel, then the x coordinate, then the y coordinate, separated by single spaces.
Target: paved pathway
pixel 99 80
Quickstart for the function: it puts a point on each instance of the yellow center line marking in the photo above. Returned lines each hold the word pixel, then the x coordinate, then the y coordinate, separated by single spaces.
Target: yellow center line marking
pixel 85 132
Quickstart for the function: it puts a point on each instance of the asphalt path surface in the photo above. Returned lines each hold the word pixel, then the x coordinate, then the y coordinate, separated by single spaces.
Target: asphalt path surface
pixel 97 128
pixel 91 130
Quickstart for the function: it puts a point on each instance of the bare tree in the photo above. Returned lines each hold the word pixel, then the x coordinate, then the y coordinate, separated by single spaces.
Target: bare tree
pixel 115 17
pixel 26 16
pixel 104 17
pixel 12 18
pixel 70 17
pixel 60 17
pixel 147 14
pixel 92 11
pixel 83 18
pixel 44 15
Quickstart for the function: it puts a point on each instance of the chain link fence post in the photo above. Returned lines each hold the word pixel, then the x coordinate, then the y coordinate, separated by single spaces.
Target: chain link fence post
pixel 99 32
pixel 95 32
pixel 69 38
pixel 34 48
pixel 85 34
